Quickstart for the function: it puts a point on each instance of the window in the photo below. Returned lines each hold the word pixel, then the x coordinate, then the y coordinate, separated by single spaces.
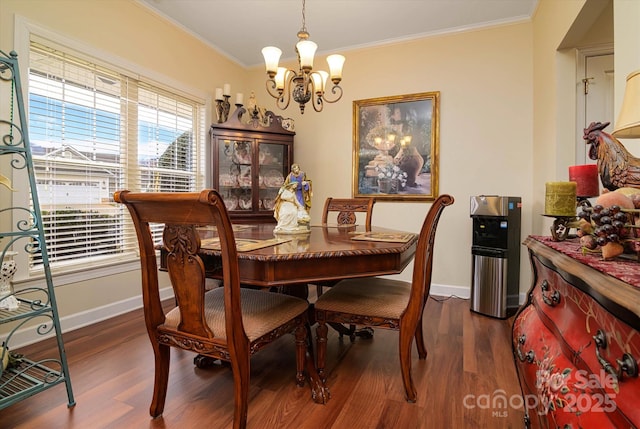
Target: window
pixel 95 129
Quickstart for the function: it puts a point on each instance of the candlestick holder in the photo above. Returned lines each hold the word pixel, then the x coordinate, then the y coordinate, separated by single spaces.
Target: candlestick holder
pixel 561 226
pixel 583 202
pixel 222 109
pixel 259 117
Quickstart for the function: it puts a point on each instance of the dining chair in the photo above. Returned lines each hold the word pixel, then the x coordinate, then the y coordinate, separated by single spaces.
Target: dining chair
pixel 382 302
pixel 229 323
pixel 343 211
pixel 346 209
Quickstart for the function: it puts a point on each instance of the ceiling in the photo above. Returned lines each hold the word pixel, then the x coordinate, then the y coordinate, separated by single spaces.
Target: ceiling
pixel 239 29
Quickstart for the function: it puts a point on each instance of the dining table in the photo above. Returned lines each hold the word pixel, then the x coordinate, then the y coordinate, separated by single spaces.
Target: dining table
pixel 324 253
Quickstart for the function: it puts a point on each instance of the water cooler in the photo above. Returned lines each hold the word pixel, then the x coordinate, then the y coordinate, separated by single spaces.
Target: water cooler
pixel 495 253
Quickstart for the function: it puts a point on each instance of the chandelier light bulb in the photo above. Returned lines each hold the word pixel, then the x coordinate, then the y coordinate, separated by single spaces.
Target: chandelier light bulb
pixel 335 62
pixel 306 49
pixel 280 78
pixel 319 80
pixel 271 56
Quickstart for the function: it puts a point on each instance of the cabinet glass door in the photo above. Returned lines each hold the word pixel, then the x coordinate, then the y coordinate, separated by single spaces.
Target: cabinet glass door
pixel 249 163
pixel 274 166
pixel 234 174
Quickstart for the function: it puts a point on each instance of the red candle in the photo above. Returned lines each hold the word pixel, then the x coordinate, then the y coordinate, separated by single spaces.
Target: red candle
pixel 586 178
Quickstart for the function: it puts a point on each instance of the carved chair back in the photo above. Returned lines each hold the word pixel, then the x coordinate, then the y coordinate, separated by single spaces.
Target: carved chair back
pixel 346 209
pixel 182 213
pixel 423 262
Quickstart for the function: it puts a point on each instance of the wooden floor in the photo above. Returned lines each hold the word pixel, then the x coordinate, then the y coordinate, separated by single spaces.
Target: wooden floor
pixel 111 367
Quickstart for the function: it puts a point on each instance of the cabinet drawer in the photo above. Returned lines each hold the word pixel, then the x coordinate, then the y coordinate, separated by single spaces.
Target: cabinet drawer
pixel 557 392
pixel 576 319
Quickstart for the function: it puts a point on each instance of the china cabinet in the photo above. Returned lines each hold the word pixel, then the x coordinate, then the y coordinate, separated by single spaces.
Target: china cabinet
pixel 21 230
pixel 251 155
pixel 576 341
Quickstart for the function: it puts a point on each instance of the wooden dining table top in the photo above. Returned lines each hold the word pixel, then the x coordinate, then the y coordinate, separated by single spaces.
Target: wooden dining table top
pixel 325 253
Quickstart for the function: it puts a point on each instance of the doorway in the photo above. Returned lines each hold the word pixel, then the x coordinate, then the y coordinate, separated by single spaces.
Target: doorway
pixel 595 95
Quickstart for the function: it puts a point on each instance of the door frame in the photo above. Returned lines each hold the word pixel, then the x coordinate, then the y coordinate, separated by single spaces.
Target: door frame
pixel 581 57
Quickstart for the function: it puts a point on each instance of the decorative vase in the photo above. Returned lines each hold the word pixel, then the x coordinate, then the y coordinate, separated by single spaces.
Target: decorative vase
pixel 6 274
pixel 410 161
pixel 395 186
pixel 384 186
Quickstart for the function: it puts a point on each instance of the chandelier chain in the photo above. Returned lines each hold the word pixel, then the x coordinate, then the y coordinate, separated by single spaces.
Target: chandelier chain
pixel 304 18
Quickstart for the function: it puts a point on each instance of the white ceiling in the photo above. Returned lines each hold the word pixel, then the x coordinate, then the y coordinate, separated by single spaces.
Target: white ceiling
pixel 240 29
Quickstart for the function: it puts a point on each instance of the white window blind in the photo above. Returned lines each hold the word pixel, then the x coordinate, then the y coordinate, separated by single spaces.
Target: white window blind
pixel 95 130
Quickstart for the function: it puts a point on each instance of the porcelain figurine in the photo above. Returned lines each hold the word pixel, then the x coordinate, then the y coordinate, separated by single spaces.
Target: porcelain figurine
pixel 303 186
pixel 291 215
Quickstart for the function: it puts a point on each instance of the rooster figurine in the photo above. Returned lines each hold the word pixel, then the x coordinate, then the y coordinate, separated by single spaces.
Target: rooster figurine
pixel 616 166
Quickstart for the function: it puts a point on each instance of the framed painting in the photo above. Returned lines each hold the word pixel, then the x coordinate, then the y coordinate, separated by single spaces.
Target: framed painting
pixel 395 147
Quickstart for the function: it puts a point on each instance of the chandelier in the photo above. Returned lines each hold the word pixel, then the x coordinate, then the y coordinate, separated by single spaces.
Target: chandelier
pixel 305 84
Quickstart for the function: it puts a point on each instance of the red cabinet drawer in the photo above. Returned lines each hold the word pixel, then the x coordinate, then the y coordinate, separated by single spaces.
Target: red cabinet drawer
pixel 555 392
pixel 575 318
pixel 576 340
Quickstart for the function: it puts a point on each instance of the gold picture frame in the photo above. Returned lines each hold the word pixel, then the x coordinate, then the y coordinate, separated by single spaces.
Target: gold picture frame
pixel 396 147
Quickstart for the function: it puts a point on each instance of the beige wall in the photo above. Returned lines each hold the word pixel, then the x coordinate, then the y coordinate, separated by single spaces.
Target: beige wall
pixel 507 117
pixel 554 125
pixel 484 79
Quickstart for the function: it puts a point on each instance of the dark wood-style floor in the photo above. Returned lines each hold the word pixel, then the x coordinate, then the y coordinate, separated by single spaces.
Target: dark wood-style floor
pixel 111 366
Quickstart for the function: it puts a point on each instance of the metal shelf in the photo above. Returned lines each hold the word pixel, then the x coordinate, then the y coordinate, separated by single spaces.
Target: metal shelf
pixel 28 377
pixel 28 307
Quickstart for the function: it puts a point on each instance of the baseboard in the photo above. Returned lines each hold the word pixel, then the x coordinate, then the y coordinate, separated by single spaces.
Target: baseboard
pixel 28 335
pixel 448 290
pixel 462 292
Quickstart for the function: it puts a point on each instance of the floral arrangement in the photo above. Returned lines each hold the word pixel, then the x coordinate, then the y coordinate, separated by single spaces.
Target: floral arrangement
pixel 391 171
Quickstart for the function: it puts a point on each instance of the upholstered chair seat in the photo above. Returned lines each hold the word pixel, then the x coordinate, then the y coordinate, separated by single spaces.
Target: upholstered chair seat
pixel 379 297
pixel 262 312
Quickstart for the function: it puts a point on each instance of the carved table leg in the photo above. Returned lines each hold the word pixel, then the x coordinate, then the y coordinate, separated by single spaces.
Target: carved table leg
pixel 319 392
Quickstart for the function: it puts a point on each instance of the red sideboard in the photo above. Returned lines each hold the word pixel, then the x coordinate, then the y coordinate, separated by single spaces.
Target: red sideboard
pixel 575 340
